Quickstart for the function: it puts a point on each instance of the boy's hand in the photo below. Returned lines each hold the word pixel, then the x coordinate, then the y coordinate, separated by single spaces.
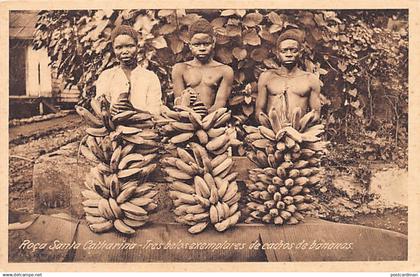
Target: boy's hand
pixel 122 104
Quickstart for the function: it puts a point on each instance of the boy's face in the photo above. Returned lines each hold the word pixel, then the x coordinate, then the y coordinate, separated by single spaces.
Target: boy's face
pixel 125 49
pixel 288 52
pixel 201 46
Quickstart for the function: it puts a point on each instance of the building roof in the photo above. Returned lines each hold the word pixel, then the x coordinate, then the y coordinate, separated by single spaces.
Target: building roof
pixel 22 24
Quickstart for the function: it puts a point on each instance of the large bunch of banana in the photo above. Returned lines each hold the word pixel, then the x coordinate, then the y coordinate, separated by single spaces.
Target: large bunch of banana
pixel 288 155
pixel 211 131
pixel 124 148
pixel 203 189
pixel 199 171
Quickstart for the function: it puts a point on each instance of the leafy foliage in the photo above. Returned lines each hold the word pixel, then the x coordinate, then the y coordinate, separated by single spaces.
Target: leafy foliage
pixel 360 57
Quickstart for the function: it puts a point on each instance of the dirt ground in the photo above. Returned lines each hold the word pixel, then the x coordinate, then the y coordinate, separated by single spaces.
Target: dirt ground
pixel 28 142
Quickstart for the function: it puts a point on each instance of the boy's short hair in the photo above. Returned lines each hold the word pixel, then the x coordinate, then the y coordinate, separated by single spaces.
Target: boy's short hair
pixel 201 26
pixel 124 30
pixel 294 34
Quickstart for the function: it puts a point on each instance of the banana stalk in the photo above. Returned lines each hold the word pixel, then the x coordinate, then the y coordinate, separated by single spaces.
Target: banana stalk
pixel 288 155
pixel 115 199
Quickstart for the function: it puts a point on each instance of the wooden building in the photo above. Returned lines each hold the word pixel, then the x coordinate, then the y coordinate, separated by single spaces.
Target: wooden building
pixel 33 85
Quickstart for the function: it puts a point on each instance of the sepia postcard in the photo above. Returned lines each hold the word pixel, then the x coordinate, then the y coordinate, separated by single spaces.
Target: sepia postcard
pixel 204 136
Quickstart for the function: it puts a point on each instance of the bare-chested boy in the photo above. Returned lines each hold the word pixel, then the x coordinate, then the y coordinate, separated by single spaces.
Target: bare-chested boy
pixel 289 85
pixel 211 81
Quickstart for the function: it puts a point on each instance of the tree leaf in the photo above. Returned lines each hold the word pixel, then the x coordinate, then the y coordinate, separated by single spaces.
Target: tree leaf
pixel 145 23
pixel 247 109
pixel 333 29
pixel 218 22
pixel 221 39
pixel 316 33
pixel 239 53
pixel 257 72
pixel 359 112
pixel 227 12
pixel 251 38
pixel 342 66
pixel 176 44
pixel 241 64
pixel 180 12
pixel 323 71
pixel 353 92
pixel 241 13
pixel 95 33
pixel 220 31
pixel 233 31
pixel 127 14
pixel 310 41
pixel 106 33
pixel 224 55
pixel 319 19
pixel 248 100
pixel 85 29
pixel 184 36
pixel 165 13
pixel 266 35
pixel 189 19
pixel 159 42
pixel 247 89
pixel 331 15
pixel 235 100
pixel 254 89
pixel 288 24
pixel 307 18
pixel 270 63
pixel 275 18
pixel 350 79
pixel 343 38
pixel 100 45
pixel 167 29
pixel 275 28
pixel 252 19
pixel 259 54
pixel 310 67
pixel 233 21
pixel 108 13
pixel 99 14
pixel 239 77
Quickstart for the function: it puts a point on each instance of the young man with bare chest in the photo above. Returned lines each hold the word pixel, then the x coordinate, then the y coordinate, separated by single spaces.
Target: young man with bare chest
pixel 202 77
pixel 289 86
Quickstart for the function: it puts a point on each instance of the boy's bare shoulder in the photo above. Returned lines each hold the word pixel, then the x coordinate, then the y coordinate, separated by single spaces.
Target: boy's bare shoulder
pixel 267 75
pixel 310 75
pixel 227 70
pixel 312 78
pixel 179 66
pixel 223 67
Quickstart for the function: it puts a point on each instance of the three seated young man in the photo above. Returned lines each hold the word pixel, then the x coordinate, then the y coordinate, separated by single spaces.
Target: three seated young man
pixel 206 80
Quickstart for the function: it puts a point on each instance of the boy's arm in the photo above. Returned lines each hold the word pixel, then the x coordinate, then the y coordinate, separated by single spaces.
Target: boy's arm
pixel 177 79
pixel 261 101
pixel 224 90
pixel 314 97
